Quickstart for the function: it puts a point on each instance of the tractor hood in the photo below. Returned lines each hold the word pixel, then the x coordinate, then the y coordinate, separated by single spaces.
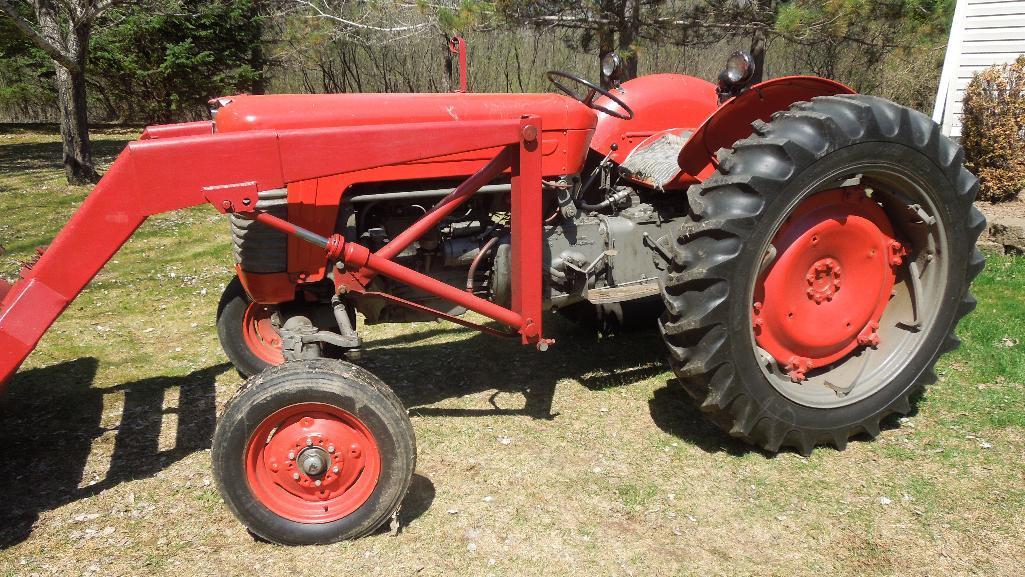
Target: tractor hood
pixel 244 112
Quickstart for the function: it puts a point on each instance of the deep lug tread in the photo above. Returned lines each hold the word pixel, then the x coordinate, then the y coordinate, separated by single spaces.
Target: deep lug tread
pixel 725 210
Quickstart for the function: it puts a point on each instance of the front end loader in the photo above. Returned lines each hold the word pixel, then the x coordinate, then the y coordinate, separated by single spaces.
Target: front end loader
pixel 805 251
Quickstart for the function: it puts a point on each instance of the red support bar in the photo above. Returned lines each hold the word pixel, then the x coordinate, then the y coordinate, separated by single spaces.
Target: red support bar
pixel 360 256
pixel 526 231
pixel 445 206
pixel 457 45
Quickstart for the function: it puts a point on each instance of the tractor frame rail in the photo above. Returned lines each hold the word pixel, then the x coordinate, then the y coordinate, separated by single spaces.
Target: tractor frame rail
pixel 229 170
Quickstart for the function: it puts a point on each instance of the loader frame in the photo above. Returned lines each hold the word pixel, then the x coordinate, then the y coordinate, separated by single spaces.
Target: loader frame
pixel 183 165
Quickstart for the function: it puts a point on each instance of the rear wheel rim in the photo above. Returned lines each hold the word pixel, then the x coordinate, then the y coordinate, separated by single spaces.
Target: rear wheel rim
pixel 312 463
pixel 885 332
pixel 260 335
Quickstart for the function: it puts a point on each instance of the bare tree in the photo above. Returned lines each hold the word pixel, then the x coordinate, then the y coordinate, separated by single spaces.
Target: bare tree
pixel 61 29
pixel 614 25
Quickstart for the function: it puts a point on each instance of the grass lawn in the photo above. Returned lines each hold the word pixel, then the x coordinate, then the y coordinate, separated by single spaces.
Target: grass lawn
pixel 586 459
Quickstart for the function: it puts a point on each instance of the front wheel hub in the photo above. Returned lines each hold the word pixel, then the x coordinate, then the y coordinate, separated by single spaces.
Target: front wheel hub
pixel 312 463
pixel 824 294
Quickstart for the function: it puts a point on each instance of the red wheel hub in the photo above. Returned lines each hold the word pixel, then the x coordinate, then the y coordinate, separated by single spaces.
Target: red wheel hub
pixel 312 463
pixel 825 292
pixel 259 334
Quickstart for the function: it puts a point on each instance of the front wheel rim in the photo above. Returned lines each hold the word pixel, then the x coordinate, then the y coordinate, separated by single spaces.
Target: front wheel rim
pixel 312 463
pixel 882 339
pixel 259 334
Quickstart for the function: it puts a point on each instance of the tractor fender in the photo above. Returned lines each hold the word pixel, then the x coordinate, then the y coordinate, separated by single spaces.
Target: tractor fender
pixel 732 121
pixel 660 102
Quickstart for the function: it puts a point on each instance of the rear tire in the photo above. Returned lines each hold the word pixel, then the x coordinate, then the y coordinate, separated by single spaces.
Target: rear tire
pixel 313 452
pixel 722 253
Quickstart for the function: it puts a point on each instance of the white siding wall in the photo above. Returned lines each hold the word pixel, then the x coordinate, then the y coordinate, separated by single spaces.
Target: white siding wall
pixel 984 33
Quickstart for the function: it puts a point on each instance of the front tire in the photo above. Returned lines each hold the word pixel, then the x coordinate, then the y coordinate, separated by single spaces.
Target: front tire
pixel 313 452
pixel 838 164
pixel 246 332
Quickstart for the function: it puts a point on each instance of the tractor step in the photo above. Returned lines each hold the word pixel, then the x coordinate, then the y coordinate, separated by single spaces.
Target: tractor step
pixel 627 292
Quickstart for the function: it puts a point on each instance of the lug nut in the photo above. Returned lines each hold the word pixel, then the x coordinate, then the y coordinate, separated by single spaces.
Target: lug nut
pixel 330 448
pixel 295 476
pixel 309 442
pixel 335 470
pixel 291 455
pixel 317 482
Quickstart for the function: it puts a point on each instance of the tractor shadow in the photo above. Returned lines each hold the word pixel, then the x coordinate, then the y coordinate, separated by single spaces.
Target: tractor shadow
pixel 52 421
pixel 52 427
pixel 431 366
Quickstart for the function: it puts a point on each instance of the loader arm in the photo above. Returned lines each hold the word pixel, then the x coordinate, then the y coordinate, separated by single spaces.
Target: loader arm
pixel 181 166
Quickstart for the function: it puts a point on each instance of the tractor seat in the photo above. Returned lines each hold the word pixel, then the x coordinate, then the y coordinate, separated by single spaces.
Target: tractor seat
pixel 655 161
pixel 296 111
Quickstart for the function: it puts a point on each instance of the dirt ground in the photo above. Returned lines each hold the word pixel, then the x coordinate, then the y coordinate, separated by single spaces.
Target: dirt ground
pixel 586 459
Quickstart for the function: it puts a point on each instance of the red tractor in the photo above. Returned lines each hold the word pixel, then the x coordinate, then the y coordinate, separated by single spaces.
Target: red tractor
pixel 809 250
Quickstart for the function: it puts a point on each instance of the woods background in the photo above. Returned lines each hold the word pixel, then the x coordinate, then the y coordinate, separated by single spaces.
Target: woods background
pixel 160 61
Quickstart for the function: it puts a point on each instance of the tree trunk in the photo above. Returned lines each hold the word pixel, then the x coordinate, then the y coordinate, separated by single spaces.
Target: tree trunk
pixel 71 95
pixel 759 44
pixel 630 24
pixel 606 44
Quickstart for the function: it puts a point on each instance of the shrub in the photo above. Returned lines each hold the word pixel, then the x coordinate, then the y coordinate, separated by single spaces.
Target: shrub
pixel 993 130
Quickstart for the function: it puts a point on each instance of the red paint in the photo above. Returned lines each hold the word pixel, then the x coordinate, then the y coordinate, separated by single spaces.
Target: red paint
pixel 732 121
pixel 259 334
pixel 271 465
pixel 457 46
pixel 174 130
pixel 299 111
pixel 270 287
pixel 526 232
pixel 660 102
pixel 274 222
pixel 824 294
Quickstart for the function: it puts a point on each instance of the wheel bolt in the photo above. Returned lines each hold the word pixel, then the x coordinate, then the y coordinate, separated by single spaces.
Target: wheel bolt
pixel 317 482
pixel 330 448
pixel 291 455
pixel 309 442
pixel 335 470
pixel 295 476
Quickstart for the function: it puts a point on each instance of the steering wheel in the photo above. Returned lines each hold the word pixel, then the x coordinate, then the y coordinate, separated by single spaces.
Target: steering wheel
pixel 592 91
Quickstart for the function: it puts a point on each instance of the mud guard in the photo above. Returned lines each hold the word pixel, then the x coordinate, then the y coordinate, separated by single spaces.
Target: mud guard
pixel 732 121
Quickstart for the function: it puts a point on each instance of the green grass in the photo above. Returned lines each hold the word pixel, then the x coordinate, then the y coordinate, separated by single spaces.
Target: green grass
pixel 608 469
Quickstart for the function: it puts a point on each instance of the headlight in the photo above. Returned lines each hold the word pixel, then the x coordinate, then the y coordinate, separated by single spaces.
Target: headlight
pixel 611 67
pixel 740 67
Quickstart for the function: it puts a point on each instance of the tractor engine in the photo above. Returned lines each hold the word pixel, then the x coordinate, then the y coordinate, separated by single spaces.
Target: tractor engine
pixel 605 247
pixel 451 252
